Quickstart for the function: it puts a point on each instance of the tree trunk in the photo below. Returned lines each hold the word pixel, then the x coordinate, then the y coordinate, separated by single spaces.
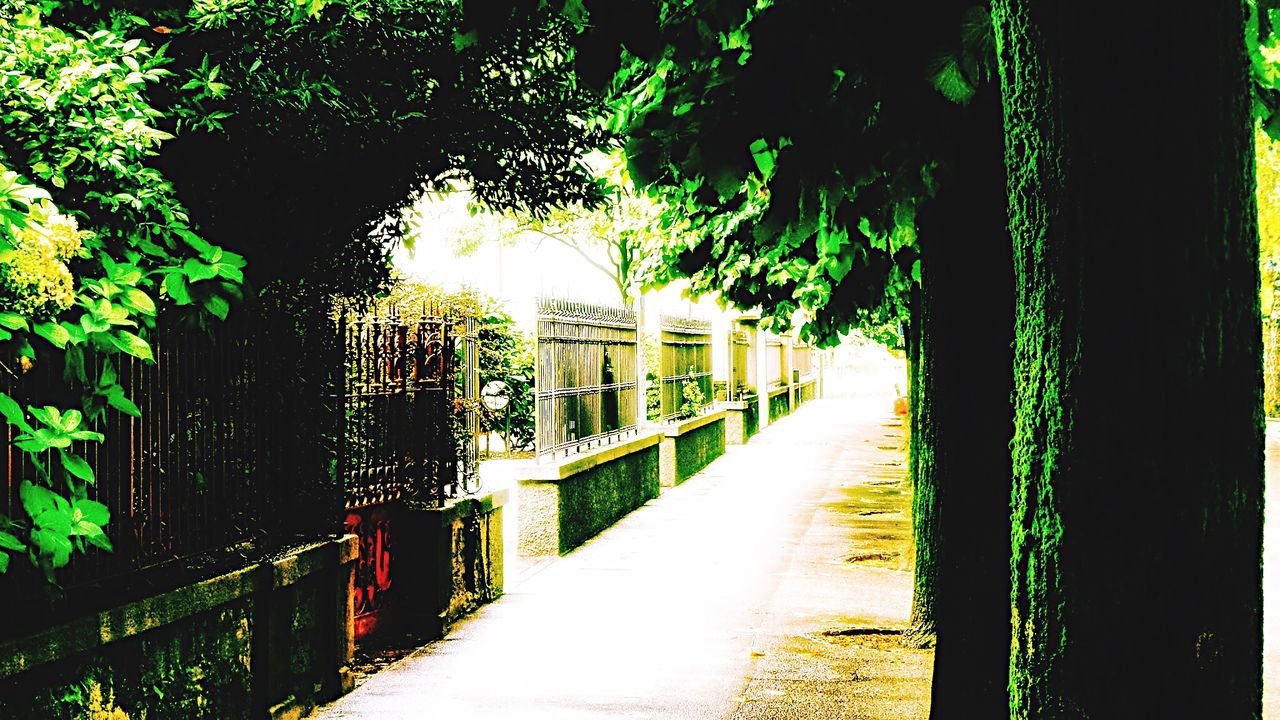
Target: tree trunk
pixel 1137 454
pixel 920 633
pixel 967 332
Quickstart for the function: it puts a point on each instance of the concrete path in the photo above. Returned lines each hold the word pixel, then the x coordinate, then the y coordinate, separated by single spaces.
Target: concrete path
pixel 769 586
pixel 1271 578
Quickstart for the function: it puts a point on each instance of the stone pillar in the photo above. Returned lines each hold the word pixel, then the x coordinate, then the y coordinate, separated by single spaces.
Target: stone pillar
pixel 789 345
pixel 642 383
pixel 762 377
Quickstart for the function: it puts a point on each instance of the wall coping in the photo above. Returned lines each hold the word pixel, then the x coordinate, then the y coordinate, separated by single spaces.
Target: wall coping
pixel 692 424
pixel 460 507
pixel 132 618
pixel 734 405
pixel 779 390
pixel 567 468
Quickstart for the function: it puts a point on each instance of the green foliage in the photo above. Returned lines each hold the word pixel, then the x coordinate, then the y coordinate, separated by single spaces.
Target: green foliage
pixel 506 354
pixel 809 213
pixel 307 125
pixel 91 235
pixel 693 399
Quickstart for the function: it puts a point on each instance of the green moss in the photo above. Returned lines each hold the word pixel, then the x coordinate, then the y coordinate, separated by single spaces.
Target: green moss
pixel 197 669
pixel 695 450
pixel 594 499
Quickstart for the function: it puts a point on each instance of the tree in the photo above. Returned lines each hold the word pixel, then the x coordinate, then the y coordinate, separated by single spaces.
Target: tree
pixel 1133 295
pixel 612 236
pixel 304 127
pixel 881 171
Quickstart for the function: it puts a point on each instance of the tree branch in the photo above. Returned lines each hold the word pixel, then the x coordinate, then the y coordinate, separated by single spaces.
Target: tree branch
pixel 612 273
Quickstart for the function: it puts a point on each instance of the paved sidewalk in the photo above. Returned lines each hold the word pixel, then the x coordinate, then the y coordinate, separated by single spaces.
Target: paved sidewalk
pixel 1271 578
pixel 768 586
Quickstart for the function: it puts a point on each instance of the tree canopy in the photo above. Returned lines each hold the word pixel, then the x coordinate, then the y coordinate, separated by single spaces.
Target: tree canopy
pixel 814 208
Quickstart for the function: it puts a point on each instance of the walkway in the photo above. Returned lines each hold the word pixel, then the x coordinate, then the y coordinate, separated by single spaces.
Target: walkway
pixel 768 586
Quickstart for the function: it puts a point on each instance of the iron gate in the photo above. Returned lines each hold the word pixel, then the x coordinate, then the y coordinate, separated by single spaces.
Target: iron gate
pixel 398 440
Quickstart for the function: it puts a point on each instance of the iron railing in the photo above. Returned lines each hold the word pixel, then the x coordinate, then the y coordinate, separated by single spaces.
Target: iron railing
pixel 207 465
pixel 399 402
pixel 742 365
pixel 684 359
pixel 586 375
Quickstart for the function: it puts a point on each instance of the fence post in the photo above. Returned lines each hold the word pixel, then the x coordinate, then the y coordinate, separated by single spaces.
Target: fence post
pixel 471 392
pixel 793 387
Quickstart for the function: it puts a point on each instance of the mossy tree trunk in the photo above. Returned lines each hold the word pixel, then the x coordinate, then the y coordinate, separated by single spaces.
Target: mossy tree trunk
pixel 1138 435
pixel 967 280
pixel 920 633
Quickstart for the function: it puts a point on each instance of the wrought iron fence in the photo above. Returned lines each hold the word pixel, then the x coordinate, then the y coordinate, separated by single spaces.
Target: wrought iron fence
pixel 206 466
pixel 684 361
pixel 586 375
pixel 742 364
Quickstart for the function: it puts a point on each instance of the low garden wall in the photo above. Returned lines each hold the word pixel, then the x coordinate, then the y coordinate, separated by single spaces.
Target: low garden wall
pixel 566 503
pixel 779 403
pixel 690 445
pixel 449 562
pixel 807 391
pixel 270 639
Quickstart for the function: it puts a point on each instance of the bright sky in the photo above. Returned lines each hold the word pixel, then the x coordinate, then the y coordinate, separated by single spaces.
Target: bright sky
pixel 516 274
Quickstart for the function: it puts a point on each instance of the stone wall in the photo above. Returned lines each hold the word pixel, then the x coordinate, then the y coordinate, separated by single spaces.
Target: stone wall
pixel 449 562
pixel 779 403
pixel 740 421
pixel 691 445
pixel 564 504
pixel 270 639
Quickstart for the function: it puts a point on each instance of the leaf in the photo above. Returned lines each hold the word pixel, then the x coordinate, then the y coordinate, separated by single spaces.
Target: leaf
pixel 87 435
pixel 48 415
pixel 54 519
pixel 196 270
pixel 175 284
pixel 13 414
pixel 4 563
pixel 129 343
pixel 93 511
pixel 915 271
pixel 218 306
pixel 116 399
pixel 100 540
pixel 56 546
pixel 52 438
pixel 54 333
pixel 13 321
pixel 135 299
pixel 77 466
pixel 9 541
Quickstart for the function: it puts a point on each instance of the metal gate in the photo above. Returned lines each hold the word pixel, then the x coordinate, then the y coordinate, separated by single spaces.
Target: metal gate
pixel 398 441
